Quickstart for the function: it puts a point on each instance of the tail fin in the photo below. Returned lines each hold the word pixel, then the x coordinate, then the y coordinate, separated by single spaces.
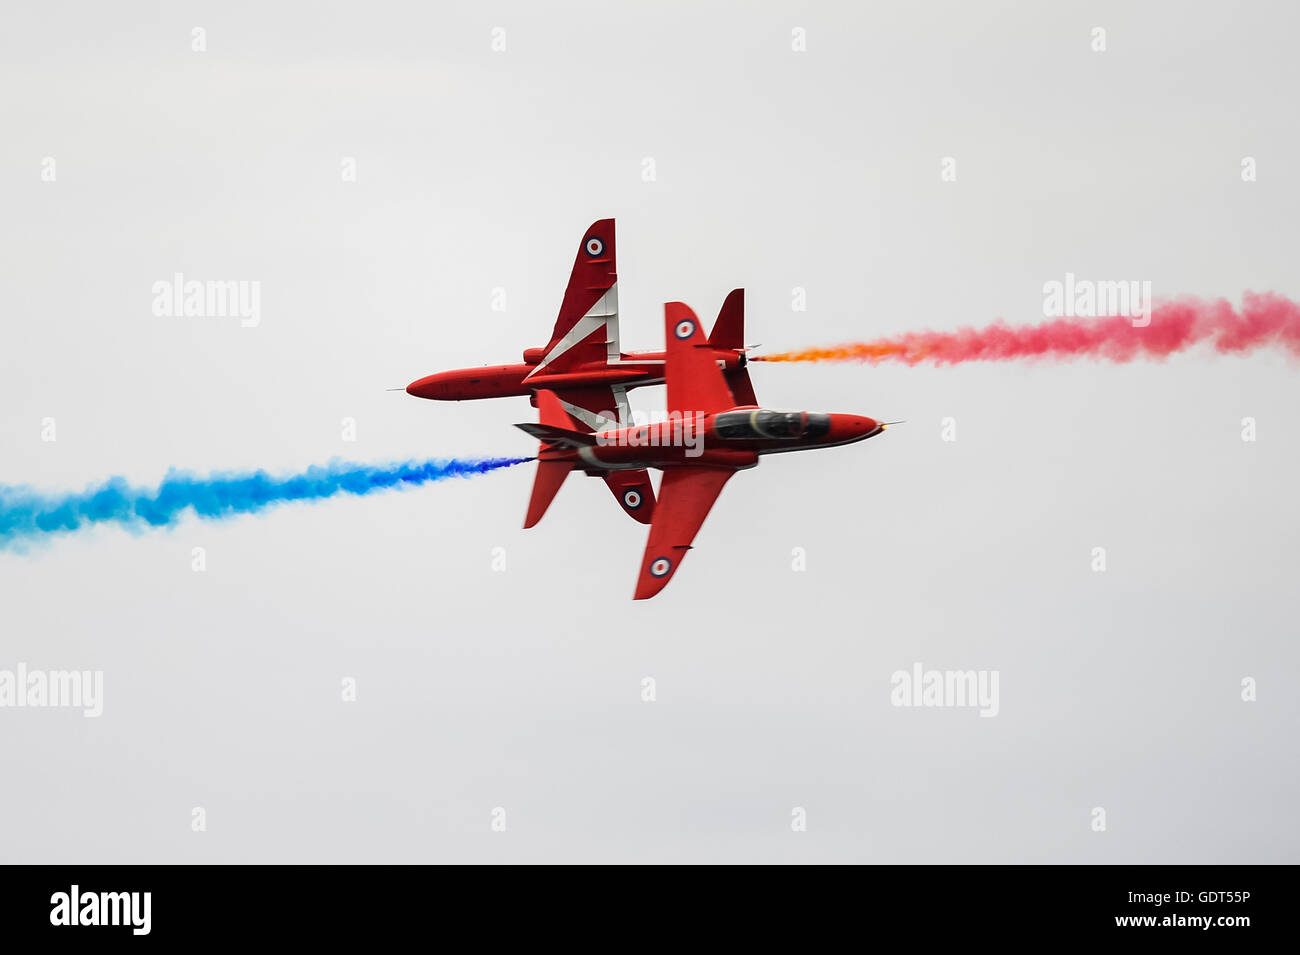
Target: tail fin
pixel 729 329
pixel 729 333
pixel 742 389
pixel 550 475
pixel 555 458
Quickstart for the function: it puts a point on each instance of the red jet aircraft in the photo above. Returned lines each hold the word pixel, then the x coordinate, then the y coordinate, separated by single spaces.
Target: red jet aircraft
pixel 708 436
pixel 584 368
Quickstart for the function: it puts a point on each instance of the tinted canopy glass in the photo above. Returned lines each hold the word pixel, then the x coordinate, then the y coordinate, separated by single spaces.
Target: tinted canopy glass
pixel 770 425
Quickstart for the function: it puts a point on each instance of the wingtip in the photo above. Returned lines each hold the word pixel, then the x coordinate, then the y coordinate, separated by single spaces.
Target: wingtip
pixel 648 586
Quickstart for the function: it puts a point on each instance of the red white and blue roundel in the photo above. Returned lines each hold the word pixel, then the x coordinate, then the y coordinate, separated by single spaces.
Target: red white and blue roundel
pixel 594 246
pixel 684 329
pixel 660 566
pixel 632 499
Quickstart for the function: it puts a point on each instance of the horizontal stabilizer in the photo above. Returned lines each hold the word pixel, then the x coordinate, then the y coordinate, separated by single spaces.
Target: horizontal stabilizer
pixel 561 436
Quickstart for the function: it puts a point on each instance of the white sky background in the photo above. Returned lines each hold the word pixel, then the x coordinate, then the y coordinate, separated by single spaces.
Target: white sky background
pixel 522 689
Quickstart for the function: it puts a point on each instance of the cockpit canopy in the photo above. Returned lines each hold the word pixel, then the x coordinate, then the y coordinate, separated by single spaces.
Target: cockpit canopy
pixel 762 425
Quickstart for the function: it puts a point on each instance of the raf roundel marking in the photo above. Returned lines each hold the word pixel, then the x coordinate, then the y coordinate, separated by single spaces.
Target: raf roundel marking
pixel 660 566
pixel 595 246
pixel 685 328
pixel 632 499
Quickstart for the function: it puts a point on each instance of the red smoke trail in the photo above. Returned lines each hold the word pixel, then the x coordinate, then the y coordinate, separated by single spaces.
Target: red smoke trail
pixel 1265 319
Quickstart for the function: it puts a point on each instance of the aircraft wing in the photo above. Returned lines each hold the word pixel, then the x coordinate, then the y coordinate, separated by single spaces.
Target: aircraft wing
pixel 685 498
pixel 586 330
pixel 694 380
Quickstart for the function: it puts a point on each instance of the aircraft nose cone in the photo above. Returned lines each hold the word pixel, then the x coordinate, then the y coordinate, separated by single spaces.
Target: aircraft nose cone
pixel 860 426
pixel 426 387
pixel 853 427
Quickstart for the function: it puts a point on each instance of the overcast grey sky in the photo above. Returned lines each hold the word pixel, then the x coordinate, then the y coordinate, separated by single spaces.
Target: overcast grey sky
pixel 775 169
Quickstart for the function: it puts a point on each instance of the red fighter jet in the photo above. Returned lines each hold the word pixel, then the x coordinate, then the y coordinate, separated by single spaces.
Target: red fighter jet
pixel 707 436
pixel 584 369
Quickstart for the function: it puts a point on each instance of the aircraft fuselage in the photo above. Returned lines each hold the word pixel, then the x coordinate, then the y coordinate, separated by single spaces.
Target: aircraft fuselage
pixel 633 370
pixel 730 439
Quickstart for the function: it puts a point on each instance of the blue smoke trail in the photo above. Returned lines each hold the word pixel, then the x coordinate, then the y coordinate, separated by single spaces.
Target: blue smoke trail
pixel 26 514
